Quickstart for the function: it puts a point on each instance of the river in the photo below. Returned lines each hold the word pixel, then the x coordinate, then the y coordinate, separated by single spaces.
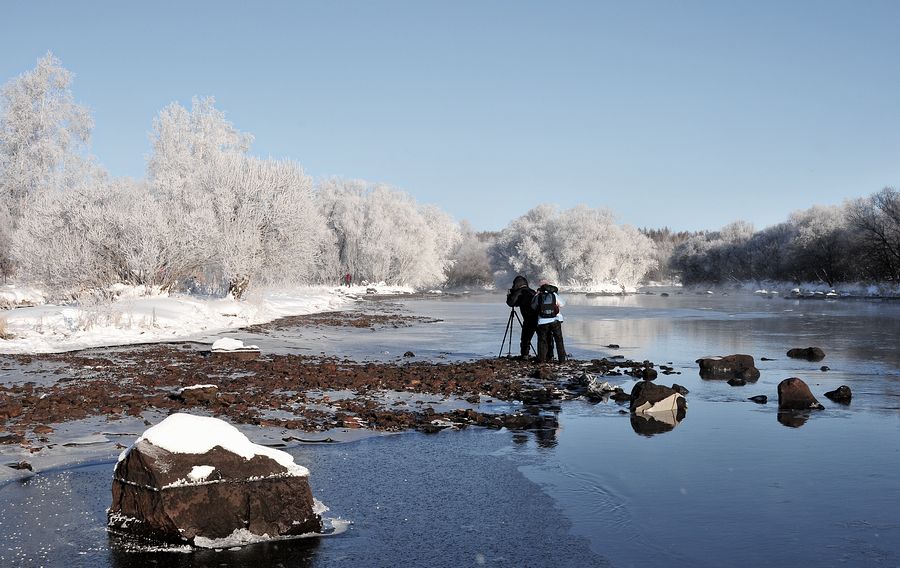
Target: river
pixel 730 485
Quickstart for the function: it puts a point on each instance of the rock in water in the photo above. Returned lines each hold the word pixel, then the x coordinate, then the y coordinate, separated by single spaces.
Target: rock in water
pixel 196 479
pixel 647 397
pixel 808 353
pixel 728 367
pixel 841 394
pixel 794 394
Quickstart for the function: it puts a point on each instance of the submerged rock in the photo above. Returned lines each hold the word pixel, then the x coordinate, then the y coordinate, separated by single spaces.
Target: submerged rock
pixel 808 353
pixel 794 394
pixel 728 367
pixel 841 394
pixel 759 399
pixel 193 479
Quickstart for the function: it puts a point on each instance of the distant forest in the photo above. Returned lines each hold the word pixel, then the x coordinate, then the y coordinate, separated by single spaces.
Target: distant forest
pixel 211 218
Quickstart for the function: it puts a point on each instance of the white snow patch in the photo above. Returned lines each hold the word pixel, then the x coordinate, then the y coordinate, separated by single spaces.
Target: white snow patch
pixel 192 387
pixel 199 473
pixel 183 433
pixel 154 316
pixel 240 537
pixel 227 344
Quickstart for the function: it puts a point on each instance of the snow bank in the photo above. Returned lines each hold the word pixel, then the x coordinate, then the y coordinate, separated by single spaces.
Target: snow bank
pixel 182 433
pixel 133 318
pixel 12 295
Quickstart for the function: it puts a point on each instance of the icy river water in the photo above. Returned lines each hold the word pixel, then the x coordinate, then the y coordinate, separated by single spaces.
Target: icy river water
pixel 731 485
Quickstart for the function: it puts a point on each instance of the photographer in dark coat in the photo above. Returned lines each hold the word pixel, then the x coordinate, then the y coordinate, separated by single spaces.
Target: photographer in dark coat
pixel 521 296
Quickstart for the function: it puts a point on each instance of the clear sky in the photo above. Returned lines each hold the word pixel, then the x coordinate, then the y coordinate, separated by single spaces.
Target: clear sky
pixel 672 113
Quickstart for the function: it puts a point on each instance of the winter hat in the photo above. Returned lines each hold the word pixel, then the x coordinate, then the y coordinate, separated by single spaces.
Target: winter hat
pixel 519 282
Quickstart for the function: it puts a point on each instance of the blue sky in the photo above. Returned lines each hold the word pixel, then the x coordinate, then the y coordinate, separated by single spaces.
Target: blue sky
pixel 671 113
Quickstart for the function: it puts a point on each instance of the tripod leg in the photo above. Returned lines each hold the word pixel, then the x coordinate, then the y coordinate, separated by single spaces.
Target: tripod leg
pixel 505 333
pixel 530 344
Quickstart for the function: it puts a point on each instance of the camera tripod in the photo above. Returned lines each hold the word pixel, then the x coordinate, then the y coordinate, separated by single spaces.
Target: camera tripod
pixel 509 333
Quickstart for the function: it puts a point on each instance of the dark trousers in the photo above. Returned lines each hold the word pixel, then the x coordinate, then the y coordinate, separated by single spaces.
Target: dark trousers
pixel 549 334
pixel 529 328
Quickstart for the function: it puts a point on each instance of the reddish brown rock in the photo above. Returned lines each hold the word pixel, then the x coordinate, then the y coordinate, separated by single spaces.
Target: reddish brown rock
pixel 159 495
pixel 740 367
pixel 808 353
pixel 794 394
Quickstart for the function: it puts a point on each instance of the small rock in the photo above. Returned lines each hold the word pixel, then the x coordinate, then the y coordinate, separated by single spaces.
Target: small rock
pixel 824 368
pixel 42 429
pixel 648 374
pixel 21 465
pixel 613 346
pixel 759 399
pixel 794 394
pixel 736 382
pixel 808 353
pixel 841 394
pixel 409 354
pixel 728 367
pixel 680 389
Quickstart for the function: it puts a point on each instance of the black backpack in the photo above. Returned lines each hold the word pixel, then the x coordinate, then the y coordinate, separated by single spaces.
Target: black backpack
pixel 547 307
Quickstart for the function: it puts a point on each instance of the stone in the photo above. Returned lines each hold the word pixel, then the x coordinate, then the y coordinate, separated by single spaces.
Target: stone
pixel 613 346
pixel 759 399
pixel 232 489
pixel 42 429
pixel 841 394
pixel 409 354
pixel 648 374
pixel 647 397
pixel 794 394
pixel 728 367
pixel 198 395
pixel 808 353
pixel 680 389
pixel 736 382
pixel 824 368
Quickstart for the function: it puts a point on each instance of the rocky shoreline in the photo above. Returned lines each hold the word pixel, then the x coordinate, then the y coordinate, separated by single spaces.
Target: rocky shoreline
pixel 291 396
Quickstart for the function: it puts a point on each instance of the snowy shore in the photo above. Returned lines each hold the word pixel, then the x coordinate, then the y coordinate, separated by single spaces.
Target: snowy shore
pixel 137 316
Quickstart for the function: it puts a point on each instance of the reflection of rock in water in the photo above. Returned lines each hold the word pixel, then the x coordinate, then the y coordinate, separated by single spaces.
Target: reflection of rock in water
pixel 657 422
pixel 656 408
pixel 793 418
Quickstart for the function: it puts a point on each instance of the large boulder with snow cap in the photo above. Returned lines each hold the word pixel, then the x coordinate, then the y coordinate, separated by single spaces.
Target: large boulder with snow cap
pixel 199 480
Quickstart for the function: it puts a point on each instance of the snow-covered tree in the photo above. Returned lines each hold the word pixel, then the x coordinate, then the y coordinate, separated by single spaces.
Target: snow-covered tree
pixel 876 222
pixel 43 134
pixel 469 263
pixel 382 234
pixel 577 247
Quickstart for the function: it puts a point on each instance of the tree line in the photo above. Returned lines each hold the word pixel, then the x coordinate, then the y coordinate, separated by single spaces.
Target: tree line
pixel 210 217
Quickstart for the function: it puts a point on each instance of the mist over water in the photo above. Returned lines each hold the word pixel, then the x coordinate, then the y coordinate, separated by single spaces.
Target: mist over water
pixel 733 484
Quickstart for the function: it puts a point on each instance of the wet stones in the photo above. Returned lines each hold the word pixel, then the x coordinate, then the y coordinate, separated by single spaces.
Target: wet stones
pixel 841 394
pixel 794 394
pixel 740 367
pixel 807 353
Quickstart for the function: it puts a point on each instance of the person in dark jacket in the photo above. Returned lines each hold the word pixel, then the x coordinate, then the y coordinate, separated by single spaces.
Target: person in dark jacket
pixel 521 296
pixel 547 303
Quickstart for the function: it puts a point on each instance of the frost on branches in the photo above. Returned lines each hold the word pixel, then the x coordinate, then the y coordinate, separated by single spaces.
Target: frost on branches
pixel 580 247
pixel 383 235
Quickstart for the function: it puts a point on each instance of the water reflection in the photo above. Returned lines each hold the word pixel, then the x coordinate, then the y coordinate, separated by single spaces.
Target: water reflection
pixel 793 418
pixel 651 424
pixel 297 553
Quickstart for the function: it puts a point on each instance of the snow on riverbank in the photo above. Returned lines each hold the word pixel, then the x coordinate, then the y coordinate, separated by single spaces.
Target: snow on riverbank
pixel 160 317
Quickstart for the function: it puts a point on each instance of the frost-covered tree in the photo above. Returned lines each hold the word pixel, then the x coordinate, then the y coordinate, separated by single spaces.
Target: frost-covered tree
pixel 43 134
pixel 234 219
pixel 821 244
pixel 576 247
pixel 876 222
pixel 469 263
pixel 382 234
